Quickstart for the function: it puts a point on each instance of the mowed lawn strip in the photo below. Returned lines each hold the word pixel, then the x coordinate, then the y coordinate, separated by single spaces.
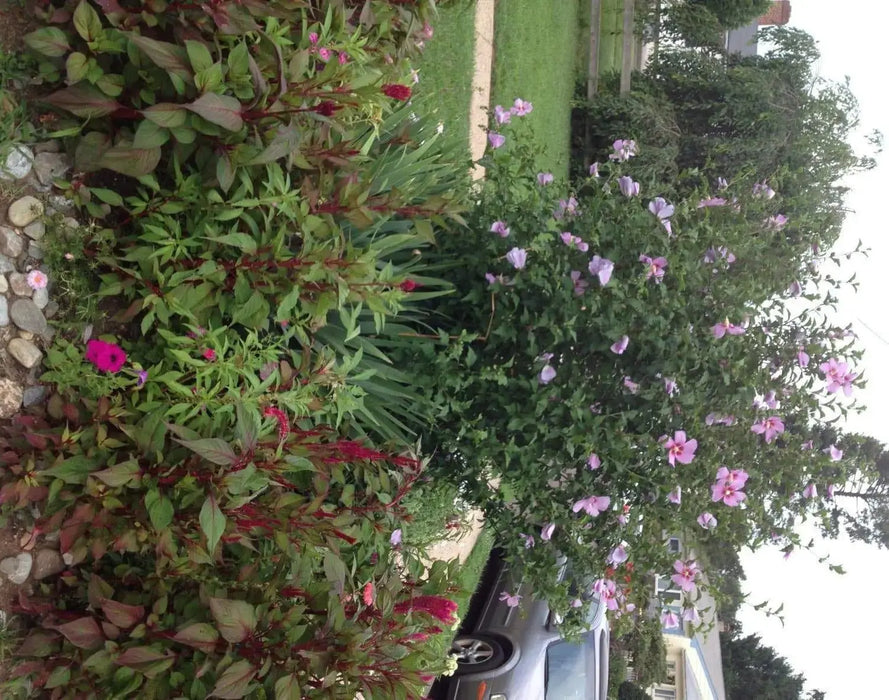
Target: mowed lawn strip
pixel 535 50
pixel 446 69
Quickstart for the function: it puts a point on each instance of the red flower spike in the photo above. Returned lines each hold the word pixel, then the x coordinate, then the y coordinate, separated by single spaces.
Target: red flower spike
pixel 397 92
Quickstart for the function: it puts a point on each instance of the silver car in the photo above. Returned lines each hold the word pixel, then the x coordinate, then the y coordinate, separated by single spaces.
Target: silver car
pixel 517 653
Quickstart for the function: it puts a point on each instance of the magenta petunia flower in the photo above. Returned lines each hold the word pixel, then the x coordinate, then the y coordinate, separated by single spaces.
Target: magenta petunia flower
pixel 620 345
pixel 679 448
pixel 107 357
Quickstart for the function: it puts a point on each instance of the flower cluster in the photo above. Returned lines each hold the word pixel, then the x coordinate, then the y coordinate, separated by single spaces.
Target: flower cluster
pixel 107 357
pixel 728 486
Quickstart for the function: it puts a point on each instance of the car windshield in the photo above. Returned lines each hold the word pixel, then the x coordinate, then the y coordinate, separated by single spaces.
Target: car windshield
pixel 571 670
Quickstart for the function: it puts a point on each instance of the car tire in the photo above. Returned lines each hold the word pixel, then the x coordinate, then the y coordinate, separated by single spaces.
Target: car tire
pixel 476 653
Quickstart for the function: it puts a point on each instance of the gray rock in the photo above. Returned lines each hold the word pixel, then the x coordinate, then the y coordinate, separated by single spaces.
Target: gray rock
pixel 35 250
pixel 49 166
pixel 19 285
pixel 4 312
pixel 17 568
pixel 24 211
pixel 4 284
pixel 11 395
pixel 25 315
pixel 71 225
pixel 47 562
pixel 33 395
pixel 25 352
pixel 41 299
pixel 11 244
pixel 60 202
pixel 35 230
pixel 52 308
pixel 6 265
pixel 47 147
pixel 18 164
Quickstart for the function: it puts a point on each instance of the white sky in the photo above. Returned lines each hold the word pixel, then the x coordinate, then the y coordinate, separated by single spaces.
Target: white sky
pixel 834 625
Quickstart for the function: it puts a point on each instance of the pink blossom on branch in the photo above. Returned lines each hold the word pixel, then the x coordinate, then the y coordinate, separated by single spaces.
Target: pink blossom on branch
pixel 500 228
pixel 686 574
pixel 669 620
pixel 496 140
pixel 620 346
pixel 546 532
pixel 593 505
pixel 723 327
pixel 707 521
pixel 679 448
pixel 601 268
pixel 769 428
pixel 655 267
pixel 675 496
pixel 517 257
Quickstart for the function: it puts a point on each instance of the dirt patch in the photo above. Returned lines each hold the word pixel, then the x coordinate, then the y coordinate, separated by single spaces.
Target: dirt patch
pixel 15 21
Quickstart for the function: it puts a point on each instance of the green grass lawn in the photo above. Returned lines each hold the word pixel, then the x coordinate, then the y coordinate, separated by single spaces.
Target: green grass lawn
pixel 446 69
pixel 535 49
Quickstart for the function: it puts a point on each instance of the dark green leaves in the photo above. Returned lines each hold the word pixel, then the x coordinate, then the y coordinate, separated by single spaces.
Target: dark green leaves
pixel 221 110
pixel 160 509
pixel 235 619
pixel 87 22
pixel 212 521
pixel 83 101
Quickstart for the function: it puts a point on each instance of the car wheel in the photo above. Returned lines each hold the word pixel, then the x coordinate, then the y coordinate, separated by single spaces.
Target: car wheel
pixel 477 652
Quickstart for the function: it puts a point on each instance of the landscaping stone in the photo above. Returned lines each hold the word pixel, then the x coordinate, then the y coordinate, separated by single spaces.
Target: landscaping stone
pixel 47 562
pixel 41 299
pixel 48 166
pixel 52 308
pixel 35 251
pixel 4 284
pixel 60 203
pixel 24 211
pixel 19 285
pixel 6 265
pixel 18 164
pixel 4 312
pixel 27 335
pixel 11 395
pixel 25 352
pixel 35 230
pixel 33 395
pixel 11 244
pixel 25 315
pixel 17 568
pixel 47 147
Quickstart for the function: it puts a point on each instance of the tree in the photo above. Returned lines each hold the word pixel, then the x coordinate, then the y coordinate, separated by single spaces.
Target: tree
pixel 733 13
pixel 631 691
pixel 754 671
